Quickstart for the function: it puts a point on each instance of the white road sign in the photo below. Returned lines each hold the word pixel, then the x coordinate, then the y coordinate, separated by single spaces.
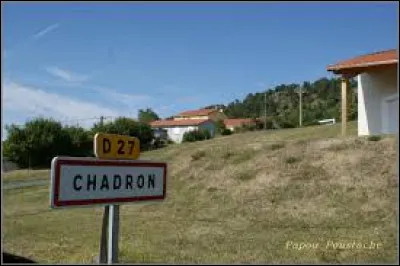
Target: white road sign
pixel 77 181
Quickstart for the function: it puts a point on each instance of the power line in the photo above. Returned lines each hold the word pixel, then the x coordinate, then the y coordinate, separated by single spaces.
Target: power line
pixel 76 120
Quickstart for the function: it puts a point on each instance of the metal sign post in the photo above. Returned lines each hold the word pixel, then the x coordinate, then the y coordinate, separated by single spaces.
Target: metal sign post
pixel 103 238
pixel 114 177
pixel 113 234
pixel 109 235
pixel 110 226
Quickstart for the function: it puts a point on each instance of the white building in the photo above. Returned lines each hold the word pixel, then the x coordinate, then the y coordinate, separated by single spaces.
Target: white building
pixel 378 97
pixel 177 128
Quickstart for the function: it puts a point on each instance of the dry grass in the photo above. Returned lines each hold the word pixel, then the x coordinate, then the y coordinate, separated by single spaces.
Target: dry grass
pixel 22 175
pixel 239 201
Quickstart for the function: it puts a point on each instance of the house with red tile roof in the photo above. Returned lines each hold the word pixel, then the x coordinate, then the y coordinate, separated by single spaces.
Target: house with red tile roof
pixel 177 128
pixel 378 98
pixel 212 114
pixel 233 123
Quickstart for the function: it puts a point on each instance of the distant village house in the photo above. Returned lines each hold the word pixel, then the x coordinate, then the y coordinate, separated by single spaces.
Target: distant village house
pixel 176 127
pixel 232 124
pixel 212 114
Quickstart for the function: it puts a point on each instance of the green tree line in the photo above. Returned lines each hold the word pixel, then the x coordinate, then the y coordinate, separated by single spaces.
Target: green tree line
pixel 320 100
pixel 39 140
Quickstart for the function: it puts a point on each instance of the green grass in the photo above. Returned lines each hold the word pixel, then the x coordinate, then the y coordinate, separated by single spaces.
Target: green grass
pixel 239 202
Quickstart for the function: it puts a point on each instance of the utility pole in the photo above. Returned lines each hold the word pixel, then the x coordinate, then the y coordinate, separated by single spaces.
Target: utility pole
pixel 300 91
pixel 265 110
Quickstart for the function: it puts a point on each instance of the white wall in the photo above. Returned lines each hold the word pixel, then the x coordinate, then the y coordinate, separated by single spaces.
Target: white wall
pixel 373 88
pixel 176 133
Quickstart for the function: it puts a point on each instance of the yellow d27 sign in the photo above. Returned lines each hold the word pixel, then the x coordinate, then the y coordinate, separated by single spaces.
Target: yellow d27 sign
pixel 112 146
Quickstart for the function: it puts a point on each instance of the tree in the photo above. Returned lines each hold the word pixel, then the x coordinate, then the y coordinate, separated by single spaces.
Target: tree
pixel 129 127
pixel 147 116
pixel 36 143
pixel 81 141
pixel 220 126
pixel 320 101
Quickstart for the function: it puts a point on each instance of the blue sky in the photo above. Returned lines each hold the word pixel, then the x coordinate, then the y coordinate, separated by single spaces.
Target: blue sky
pixel 82 60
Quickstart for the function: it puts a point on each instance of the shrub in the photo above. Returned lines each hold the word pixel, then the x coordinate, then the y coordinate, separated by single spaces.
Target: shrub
pixel 227 154
pixel 198 155
pixel 277 146
pixel 219 126
pixel 196 135
pixel 269 121
pixel 250 127
pixel 339 147
pixel 245 174
pixel 189 136
pixel 226 132
pixel 37 142
pixel 205 133
pixel 81 142
pixel 158 143
pixel 129 127
pixel 374 138
pixel 292 159
pixel 287 124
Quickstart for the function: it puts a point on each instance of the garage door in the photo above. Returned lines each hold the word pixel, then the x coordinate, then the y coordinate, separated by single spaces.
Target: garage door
pixel 392 109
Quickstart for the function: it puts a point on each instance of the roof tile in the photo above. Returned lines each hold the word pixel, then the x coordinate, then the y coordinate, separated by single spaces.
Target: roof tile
pixel 197 112
pixel 379 58
pixel 172 123
pixel 238 121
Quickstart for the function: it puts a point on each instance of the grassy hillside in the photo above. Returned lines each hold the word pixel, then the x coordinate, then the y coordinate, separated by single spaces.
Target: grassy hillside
pixel 246 198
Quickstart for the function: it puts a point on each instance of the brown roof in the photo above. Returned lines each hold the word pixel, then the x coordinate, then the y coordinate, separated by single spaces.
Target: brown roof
pixel 380 58
pixel 173 123
pixel 197 112
pixel 238 121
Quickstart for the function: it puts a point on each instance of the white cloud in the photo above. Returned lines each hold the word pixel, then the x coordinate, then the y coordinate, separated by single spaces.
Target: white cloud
pixel 46 30
pixel 129 100
pixel 26 101
pixel 66 75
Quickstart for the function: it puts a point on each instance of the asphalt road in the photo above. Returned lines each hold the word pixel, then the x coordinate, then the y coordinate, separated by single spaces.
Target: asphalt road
pixel 22 184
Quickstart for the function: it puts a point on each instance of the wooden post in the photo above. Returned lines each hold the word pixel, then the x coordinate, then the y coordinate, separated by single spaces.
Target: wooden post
pixel 345 87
